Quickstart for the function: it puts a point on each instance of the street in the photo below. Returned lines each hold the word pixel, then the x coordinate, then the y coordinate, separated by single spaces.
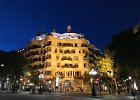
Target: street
pixel 60 96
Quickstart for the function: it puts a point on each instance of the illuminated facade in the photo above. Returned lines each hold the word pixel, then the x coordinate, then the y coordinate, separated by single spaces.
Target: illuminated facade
pixel 61 58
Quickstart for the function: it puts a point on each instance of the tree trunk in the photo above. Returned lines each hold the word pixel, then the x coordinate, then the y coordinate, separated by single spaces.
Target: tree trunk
pixel 138 83
pixel 115 82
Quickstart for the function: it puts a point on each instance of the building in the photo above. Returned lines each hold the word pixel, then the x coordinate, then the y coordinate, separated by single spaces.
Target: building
pixel 61 58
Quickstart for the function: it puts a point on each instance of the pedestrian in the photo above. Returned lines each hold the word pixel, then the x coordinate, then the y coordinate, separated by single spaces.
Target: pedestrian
pixel 110 90
pixel 50 89
pixel 33 90
pixel 40 90
pixel 128 90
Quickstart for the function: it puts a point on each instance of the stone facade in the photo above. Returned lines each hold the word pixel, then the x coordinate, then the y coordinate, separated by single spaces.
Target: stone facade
pixel 61 58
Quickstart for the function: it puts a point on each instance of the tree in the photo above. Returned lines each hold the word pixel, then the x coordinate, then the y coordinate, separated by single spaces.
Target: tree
pixel 126 46
pixel 106 65
pixel 16 66
pixel 31 74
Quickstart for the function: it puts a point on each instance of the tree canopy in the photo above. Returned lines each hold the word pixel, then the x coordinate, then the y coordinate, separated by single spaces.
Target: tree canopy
pixel 126 46
pixel 15 65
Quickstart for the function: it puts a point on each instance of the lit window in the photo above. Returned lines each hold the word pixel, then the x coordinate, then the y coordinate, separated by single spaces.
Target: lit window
pixel 59 44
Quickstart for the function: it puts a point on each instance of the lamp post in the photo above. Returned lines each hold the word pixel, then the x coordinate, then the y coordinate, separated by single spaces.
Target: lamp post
pixel 110 83
pixel 2 77
pixel 8 84
pixel 93 73
pixel 41 76
pixel 101 74
pixel 21 83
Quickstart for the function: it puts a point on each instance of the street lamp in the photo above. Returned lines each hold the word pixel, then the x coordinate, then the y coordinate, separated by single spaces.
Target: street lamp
pixel 129 77
pixel 93 73
pixel 8 83
pixel 100 75
pixel 2 65
pixel 110 83
pixel 41 76
pixel 2 77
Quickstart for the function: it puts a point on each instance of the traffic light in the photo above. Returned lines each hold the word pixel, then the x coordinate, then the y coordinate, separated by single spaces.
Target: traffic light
pixel 97 79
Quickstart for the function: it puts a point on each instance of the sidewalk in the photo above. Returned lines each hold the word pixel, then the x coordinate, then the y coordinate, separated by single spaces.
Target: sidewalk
pixel 87 94
pixel 105 96
pixel 54 93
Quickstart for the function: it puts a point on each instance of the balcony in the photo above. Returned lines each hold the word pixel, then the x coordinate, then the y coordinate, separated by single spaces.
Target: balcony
pixel 69 66
pixel 66 58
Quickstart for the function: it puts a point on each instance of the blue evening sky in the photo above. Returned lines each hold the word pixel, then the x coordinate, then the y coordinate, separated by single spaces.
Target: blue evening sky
pixel 98 20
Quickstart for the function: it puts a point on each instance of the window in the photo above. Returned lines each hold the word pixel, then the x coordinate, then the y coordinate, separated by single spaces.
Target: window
pixel 61 50
pixel 43 58
pixel 48 48
pixel 57 57
pixel 75 45
pixel 48 64
pixel 59 44
pixel 41 52
pixel 64 58
pixel 48 72
pixel 69 58
pixel 48 43
pixel 39 59
pixel 58 64
pixel 56 50
pixel 48 56
pixel 73 51
pixel 76 65
pixel 71 65
pixel 77 73
pixel 85 65
pixel 75 57
pixel 83 51
pixel 69 73
pixel 66 51
pixel 70 44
